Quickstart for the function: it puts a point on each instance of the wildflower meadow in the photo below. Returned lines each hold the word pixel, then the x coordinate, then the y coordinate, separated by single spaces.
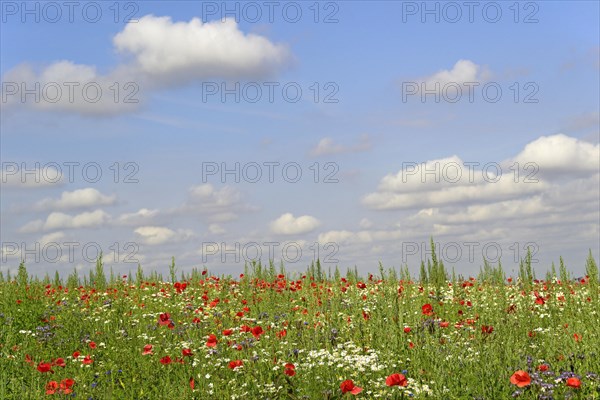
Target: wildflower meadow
pixel 272 334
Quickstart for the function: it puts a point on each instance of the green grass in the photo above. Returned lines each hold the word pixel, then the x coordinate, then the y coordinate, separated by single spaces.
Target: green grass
pixel 335 329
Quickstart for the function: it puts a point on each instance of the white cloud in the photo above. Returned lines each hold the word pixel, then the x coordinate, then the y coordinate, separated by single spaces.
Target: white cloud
pixel 58 220
pixel 462 72
pixel 561 154
pixel 80 198
pixel 155 235
pixel 161 53
pixel 13 175
pixel 360 237
pixel 327 146
pixel 552 213
pixel 65 86
pixel 51 238
pixel 142 216
pixel 365 223
pixel 216 205
pixel 186 51
pixel 216 229
pixel 447 181
pixel 287 224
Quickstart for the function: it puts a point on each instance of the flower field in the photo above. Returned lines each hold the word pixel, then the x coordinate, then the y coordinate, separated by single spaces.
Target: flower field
pixel 269 334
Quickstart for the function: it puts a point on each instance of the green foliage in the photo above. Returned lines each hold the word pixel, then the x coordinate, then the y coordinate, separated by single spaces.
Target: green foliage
pixel 22 276
pixel 173 270
pixel 565 276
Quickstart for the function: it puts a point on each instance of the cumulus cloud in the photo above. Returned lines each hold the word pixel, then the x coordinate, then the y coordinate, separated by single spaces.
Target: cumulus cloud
pixel 287 224
pixel 14 176
pixel 160 53
pixel 216 205
pixel 561 154
pixel 216 229
pixel 59 220
pixel 142 216
pixel 155 235
pixel 327 146
pixel 548 210
pixel 364 236
pixel 81 198
pixel 448 181
pixel 365 223
pixel 463 72
pixel 186 51
pixel 65 86
pixel 51 238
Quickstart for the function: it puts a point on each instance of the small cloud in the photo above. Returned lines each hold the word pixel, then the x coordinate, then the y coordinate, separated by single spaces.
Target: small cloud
pixel 216 229
pixel 365 223
pixel 287 224
pixel 215 205
pixel 561 154
pixel 13 175
pixel 80 198
pixel 155 235
pixel 142 216
pixel 463 72
pixel 327 146
pixel 58 220
pixel 51 238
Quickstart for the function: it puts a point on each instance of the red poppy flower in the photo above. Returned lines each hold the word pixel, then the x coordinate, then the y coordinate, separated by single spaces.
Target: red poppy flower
pixel 245 328
pixel 147 350
pixel 166 360
pixel 164 319
pixel 407 329
pixel 486 329
pixel 348 387
pixel 257 331
pixel 45 367
pixel 92 345
pixel 87 360
pixel 520 378
pixel 577 337
pixel 65 386
pixel 235 364
pixel 396 380
pixel 192 383
pixel 444 324
pixel 59 362
pixel 543 367
pixel 574 383
pixel 51 387
pixel 290 369
pixel 427 309
pixel 212 341
pixel 186 352
pixel 227 332
pixel 282 333
pixel 76 354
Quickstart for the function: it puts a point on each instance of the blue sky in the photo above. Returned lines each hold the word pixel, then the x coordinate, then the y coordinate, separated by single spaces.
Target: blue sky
pixel 364 117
